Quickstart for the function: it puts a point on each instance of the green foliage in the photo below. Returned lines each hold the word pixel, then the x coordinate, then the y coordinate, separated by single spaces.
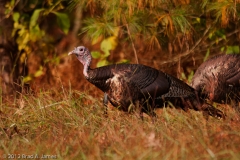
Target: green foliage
pixel 224 11
pixel 180 21
pixel 16 16
pixel 107 45
pixel 157 24
pixel 97 27
pixel 231 49
pixel 28 32
pixel 188 78
pixel 141 20
pixel 63 21
pixel 216 34
pixel 96 54
pixel 9 7
pixel 38 73
pixel 34 17
pixel 206 56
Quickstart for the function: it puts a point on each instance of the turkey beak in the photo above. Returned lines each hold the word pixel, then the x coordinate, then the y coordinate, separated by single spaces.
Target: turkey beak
pixel 70 53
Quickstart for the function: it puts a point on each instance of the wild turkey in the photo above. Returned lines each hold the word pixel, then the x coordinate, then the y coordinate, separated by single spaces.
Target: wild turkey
pixel 144 87
pixel 218 79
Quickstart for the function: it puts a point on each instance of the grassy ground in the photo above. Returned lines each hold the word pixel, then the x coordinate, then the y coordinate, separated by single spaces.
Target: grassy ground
pixel 71 125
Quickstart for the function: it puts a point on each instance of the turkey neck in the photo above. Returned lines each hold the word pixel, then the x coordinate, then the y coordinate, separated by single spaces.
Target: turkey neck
pixel 99 76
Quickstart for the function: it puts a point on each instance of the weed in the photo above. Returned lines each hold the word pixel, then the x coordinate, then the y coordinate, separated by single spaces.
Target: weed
pixel 71 125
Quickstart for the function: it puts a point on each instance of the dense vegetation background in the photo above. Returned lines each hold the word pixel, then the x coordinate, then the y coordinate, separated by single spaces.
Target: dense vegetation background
pixel 45 104
pixel 171 35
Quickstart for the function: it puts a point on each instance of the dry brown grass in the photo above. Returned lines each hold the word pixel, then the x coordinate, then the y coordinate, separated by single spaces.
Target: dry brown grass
pixel 71 125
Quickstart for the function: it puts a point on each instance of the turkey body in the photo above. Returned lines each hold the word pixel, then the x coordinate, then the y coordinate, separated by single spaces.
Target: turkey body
pixel 143 87
pixel 218 79
pixel 126 84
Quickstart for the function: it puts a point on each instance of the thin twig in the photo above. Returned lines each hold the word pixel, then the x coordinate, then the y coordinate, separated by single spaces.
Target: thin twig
pixel 10 12
pixel 50 105
pixel 186 53
pixel 228 35
pixel 220 39
pixel 129 34
pixel 78 20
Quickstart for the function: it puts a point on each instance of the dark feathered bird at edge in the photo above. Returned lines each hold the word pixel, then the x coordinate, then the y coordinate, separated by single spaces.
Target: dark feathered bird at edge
pixel 137 85
pixel 218 79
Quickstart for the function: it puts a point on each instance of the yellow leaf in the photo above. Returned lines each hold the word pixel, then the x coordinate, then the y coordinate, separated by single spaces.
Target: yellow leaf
pixel 39 72
pixel 27 79
pixel 23 57
pixel 198 20
pixel 116 31
pixel 113 41
pixel 108 44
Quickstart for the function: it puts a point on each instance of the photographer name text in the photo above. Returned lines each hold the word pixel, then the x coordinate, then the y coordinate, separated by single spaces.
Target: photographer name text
pixel 29 156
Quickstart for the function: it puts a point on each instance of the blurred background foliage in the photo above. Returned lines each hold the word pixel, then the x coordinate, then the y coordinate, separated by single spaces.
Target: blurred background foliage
pixel 176 29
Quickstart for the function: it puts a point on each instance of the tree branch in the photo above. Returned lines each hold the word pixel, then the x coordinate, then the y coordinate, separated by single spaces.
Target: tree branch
pixel 129 34
pixel 186 53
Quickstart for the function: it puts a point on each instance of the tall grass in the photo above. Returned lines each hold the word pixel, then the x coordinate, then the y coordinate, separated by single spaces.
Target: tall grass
pixel 71 125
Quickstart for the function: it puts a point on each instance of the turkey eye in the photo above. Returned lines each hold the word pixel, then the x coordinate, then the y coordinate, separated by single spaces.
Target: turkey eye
pixel 81 49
